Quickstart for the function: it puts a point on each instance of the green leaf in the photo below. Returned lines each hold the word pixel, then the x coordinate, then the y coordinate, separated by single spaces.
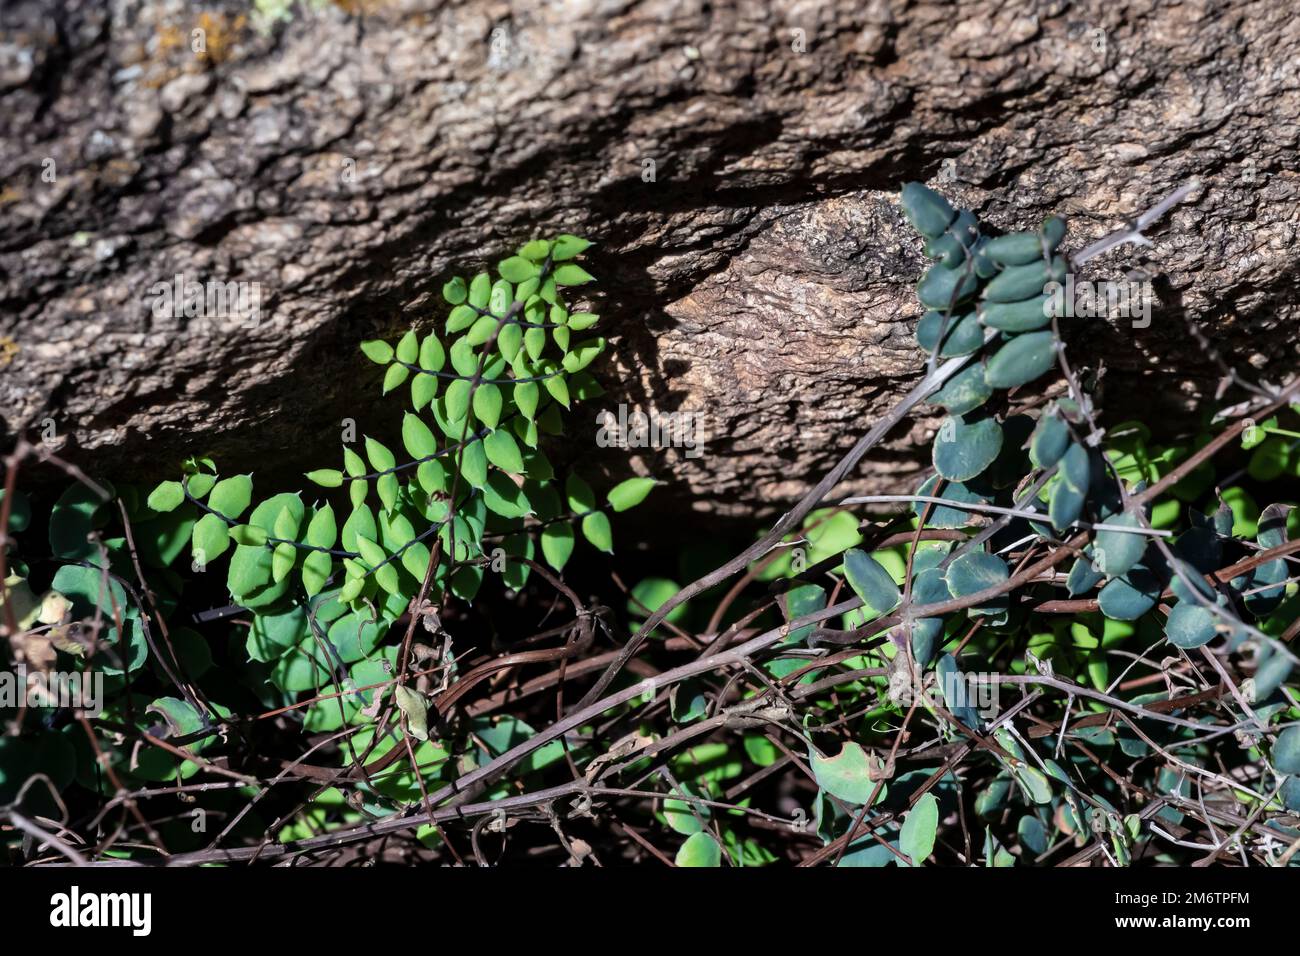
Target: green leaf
pixel 630 493
pixel 962 449
pixel 1028 315
pixel 395 531
pixel 871 582
pixel 415 558
pixel 596 529
pixel 20 512
pixel 351 589
pixel 650 594
pixel 432 476
pixel 395 376
pixel 388 488
pixel 481 331
pixel 72 522
pixel 942 516
pixel 579 494
pixel 480 288
pixel 287 523
pixel 1021 248
pixel 381 459
pixel 302 668
pixel 355 635
pixel 326 477
pixel 535 343
pixel 1290 793
pixel 181 718
pixel 385 573
pixel 537 250
pixel 1286 752
pixel 378 351
pixel 1068 500
pixel 416 709
pixel 457 400
pixel 927 211
pixel 432 355
pixel 272 634
pixel 455 291
pixel 461 318
pixel 700 849
pixel 316 567
pixel 89 589
pixel 1021 360
pixel 528 289
pixel 249 573
pixel 487 404
pixel 962 334
pixel 1118 551
pixel 167 496
pixel 209 540
pixel 557 544
pixel 928 588
pixel 684 815
pixel 965 391
pixel 510 340
pixel 424 388
pixel 1049 442
pixel 1025 282
pixel 417 437
pixel 248 535
pixel 942 288
pixel 847 775
pixel 232 495
pixel 573 274
pixel 504 497
pixel 1190 625
pixel 583 354
pixel 408 348
pixel 353 463
pixel 503 452
pixel 1129 596
pixel 526 395
pixel 1075 470
pixel 916 840
pixel 978 571
pixel 322 532
pixel 361 523
pixel 474 464
pixel 517 269
pixel 283 559
pixel 567 246
pixel 266 514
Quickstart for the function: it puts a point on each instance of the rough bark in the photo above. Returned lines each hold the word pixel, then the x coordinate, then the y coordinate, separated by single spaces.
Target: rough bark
pixel 763 275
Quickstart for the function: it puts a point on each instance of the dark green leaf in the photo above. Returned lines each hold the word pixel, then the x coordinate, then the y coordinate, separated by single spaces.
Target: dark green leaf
pixel 963 449
pixel 871 582
pixel 1021 360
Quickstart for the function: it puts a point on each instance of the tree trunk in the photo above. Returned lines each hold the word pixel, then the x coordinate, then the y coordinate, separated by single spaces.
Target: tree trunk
pixel 738 162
